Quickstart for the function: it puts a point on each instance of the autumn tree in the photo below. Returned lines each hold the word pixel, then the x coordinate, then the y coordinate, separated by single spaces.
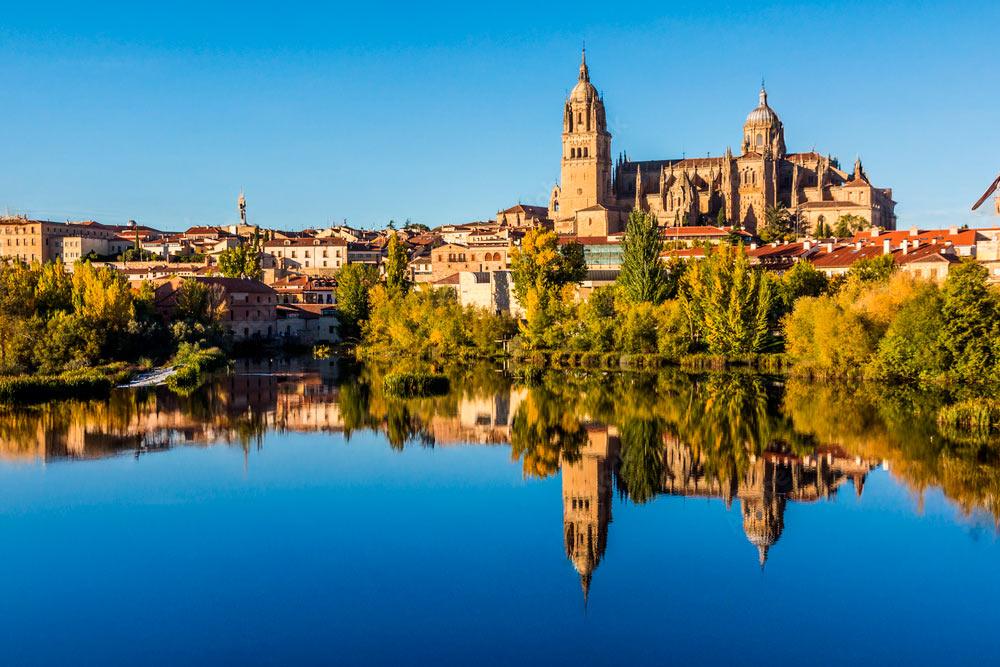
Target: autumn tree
pixel 540 263
pixel 729 303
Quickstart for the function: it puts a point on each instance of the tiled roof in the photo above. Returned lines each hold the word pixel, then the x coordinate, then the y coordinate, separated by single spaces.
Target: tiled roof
pixel 453 279
pixel 306 242
pixel 237 284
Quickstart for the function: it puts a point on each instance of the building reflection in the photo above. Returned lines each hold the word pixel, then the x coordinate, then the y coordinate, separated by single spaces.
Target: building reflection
pixel 737 451
pixel 763 489
pixel 586 495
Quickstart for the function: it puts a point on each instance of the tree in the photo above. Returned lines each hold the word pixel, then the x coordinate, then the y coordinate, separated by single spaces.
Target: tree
pixel 642 459
pixel 643 275
pixel 729 303
pixel 803 279
pixel 102 302
pixel 539 263
pixel 970 311
pixel 720 218
pixel 848 224
pixel 243 261
pixel 778 224
pixel 354 282
pixel 54 289
pixel 872 269
pixel 396 265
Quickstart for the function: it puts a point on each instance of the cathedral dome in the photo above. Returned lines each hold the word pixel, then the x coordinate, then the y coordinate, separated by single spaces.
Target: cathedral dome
pixel 763 114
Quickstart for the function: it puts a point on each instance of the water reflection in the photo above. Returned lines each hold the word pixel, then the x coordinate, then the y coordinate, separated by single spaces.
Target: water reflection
pixel 740 438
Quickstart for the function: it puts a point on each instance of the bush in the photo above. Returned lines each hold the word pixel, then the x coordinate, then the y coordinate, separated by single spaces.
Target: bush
pixel 405 385
pixel 192 366
pixel 981 416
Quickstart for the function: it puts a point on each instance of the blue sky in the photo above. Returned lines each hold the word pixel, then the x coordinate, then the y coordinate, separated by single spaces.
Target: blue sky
pixel 440 114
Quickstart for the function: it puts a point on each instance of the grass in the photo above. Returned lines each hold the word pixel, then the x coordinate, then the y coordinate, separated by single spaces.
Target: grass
pixel 83 383
pixel 976 416
pixel 409 385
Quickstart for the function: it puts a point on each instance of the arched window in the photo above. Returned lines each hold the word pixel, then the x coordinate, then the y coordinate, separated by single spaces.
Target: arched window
pixel 586 152
pixel 760 139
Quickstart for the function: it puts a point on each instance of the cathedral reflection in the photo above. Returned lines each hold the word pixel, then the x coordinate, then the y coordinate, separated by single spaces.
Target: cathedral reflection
pixel 771 480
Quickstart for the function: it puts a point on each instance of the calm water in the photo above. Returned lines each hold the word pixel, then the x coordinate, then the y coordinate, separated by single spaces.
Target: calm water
pixel 291 514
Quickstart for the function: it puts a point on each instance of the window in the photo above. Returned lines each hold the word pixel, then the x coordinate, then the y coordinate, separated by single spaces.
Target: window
pixel 760 139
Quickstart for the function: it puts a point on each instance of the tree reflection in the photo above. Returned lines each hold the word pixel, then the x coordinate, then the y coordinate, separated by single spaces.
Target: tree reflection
pixel 545 429
pixel 640 475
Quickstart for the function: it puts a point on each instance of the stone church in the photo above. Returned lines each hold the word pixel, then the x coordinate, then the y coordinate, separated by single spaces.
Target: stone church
pixel 594 199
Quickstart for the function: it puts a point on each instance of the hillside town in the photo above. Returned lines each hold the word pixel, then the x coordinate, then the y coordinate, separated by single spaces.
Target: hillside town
pixel 779 208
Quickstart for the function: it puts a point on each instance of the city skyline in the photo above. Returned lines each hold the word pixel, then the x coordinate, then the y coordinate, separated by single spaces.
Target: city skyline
pixel 448 118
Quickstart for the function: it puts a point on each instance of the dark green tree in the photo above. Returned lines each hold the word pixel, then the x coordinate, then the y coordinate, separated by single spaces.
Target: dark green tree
pixel 778 224
pixel 397 266
pixel 971 315
pixel 643 276
pixel 354 283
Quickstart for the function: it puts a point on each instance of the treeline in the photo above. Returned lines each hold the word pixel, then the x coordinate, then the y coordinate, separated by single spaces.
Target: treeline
pixel 412 327
pixel 52 321
pixel 718 306
pixel 873 322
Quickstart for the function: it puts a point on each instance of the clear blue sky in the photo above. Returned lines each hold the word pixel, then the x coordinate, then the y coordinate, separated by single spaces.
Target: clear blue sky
pixel 369 111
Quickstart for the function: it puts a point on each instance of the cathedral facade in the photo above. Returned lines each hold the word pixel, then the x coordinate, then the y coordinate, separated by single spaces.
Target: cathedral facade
pixel 594 199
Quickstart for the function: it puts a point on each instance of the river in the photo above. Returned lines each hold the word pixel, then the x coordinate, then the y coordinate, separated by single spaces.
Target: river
pixel 290 513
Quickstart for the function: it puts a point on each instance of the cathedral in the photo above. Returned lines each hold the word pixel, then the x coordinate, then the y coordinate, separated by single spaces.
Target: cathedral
pixel 594 199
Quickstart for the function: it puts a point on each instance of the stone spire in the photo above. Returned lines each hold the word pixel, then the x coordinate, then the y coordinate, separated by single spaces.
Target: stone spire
pixel 584 72
pixel 640 199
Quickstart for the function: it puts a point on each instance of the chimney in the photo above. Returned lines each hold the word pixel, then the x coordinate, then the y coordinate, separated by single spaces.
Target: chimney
pixel 753 245
pixel 905 246
pixel 914 231
pixel 886 247
pixel 953 231
pixel 857 245
pixel 874 232
pixel 806 245
pixel 916 244
pixel 829 247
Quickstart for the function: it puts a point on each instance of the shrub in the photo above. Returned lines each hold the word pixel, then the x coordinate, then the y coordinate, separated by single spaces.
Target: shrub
pixel 404 385
pixel 978 415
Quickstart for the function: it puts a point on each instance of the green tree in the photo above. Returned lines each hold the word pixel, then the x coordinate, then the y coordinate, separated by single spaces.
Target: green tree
pixel 729 303
pixel 848 224
pixel 778 224
pixel 872 269
pixel 642 459
pixel 971 317
pixel 243 261
pixel 643 276
pixel 803 279
pixel 396 266
pixel 720 218
pixel 354 283
pixel 911 349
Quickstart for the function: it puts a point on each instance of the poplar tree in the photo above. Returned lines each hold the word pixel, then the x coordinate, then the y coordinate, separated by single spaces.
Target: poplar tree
pixel 396 264
pixel 643 276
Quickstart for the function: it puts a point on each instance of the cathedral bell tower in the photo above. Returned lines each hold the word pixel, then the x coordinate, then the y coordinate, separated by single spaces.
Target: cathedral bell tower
pixel 585 178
